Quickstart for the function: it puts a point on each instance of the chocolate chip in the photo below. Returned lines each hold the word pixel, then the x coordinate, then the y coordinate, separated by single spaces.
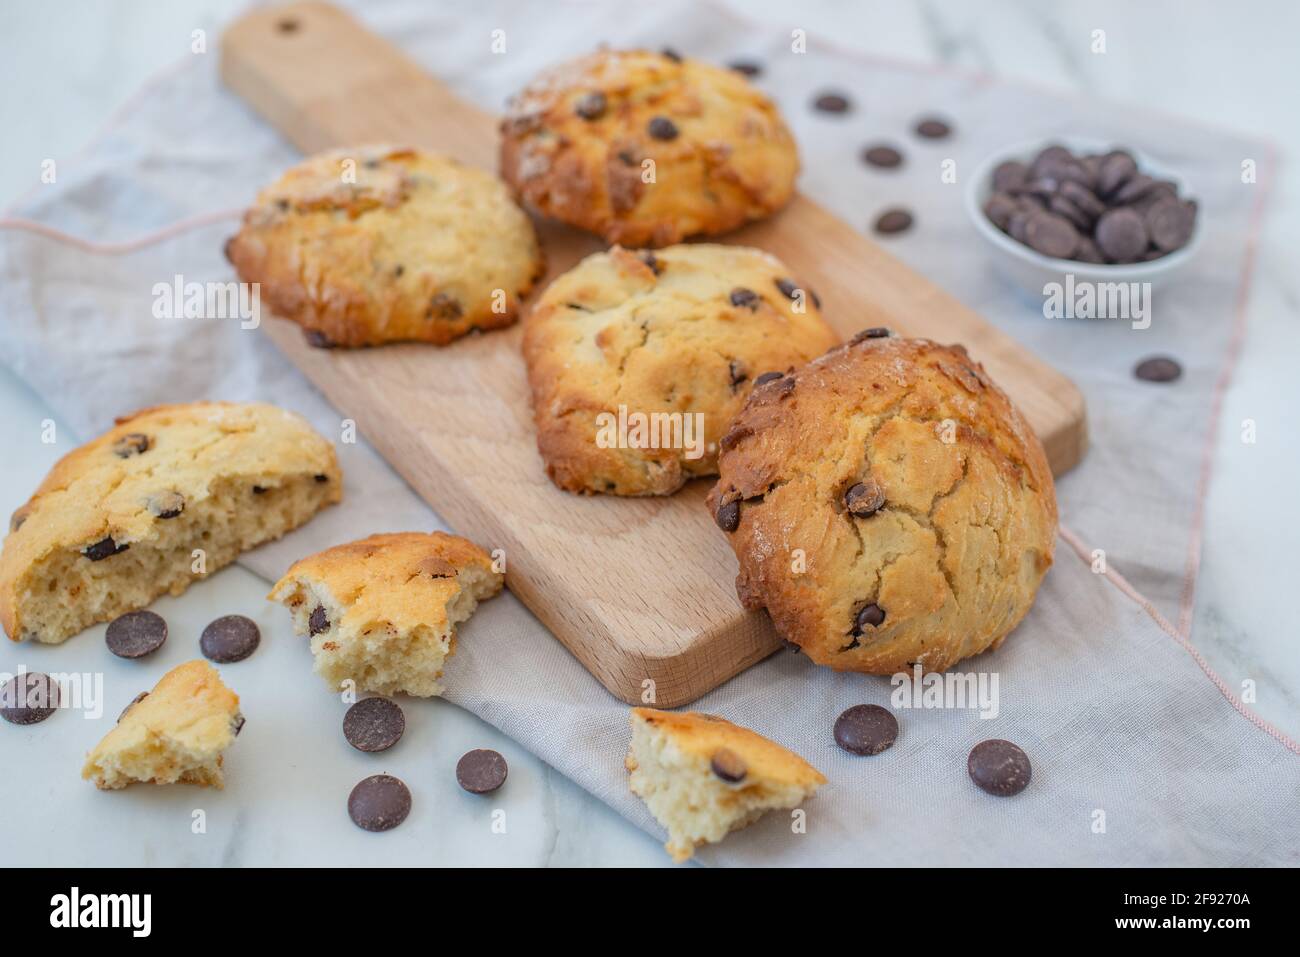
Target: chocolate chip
pixel 1138 185
pixel 28 698
pixel 104 548
pixel 652 263
pixel 1084 198
pixel 893 221
pixel 374 724
pixel 317 339
pixel 1051 235
pixel 1087 252
pixel 1121 235
pixel 229 639
pixel 1116 169
pixel 320 478
pixel 259 489
pixel 398 270
pixel 165 505
pixel 871 616
pixel 866 729
pixel 1009 176
pixel 17 519
pixel 875 332
pixel 1170 223
pixel 746 67
pixel 1063 207
pixel 999 767
pixel 136 634
pixel 736 370
pixel 728 765
pixel 662 128
pixel 728 515
pixel 999 208
pixel 882 157
pixel 318 622
pixel 832 103
pixel 933 128
pixel 671 54
pixel 789 288
pixel 481 771
pixel 133 443
pixel 445 307
pixel 745 298
pixel 767 377
pixel 864 499
pixel 379 803
pixel 134 701
pixel 1158 369
pixel 592 106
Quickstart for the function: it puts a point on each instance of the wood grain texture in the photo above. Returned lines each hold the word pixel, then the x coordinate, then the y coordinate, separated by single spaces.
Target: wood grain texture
pixel 637 589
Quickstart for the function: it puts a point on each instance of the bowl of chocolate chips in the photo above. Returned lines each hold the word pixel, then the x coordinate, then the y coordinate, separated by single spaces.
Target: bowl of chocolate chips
pixel 1098 211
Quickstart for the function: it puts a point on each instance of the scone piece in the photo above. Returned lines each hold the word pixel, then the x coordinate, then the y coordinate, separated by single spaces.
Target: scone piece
pixel 383 611
pixel 174 734
pixel 118 521
pixel 888 505
pixel 629 354
pixel 703 777
pixel 381 244
pixel 647 149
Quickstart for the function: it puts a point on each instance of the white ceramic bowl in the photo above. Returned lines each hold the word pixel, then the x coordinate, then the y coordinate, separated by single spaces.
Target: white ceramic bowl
pixel 1032 270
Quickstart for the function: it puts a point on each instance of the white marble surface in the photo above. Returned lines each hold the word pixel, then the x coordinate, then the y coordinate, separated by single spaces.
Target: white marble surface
pixel 65 70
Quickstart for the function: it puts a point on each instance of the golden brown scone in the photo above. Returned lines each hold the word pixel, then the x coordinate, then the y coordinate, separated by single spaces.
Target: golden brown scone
pixel 703 777
pixel 175 733
pixel 683 330
pixel 888 506
pixel 414 247
pixel 116 522
pixel 383 611
pixel 647 149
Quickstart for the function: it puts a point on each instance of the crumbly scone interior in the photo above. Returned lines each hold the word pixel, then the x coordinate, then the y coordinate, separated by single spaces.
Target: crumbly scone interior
pixel 66 592
pixel 689 800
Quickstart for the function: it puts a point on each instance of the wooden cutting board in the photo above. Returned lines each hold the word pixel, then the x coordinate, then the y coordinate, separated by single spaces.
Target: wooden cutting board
pixel 639 590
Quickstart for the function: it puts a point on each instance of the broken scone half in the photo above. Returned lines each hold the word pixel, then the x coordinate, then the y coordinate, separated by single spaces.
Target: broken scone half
pixel 703 777
pixel 382 612
pixel 173 734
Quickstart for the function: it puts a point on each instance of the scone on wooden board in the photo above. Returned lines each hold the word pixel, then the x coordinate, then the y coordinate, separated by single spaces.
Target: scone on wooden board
pixel 383 611
pixel 175 733
pixel 380 244
pixel 647 149
pixel 888 505
pixel 703 777
pixel 117 521
pixel 664 341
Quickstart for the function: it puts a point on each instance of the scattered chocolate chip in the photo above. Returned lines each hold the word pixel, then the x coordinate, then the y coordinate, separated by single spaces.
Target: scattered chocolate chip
pixel 481 771
pixel 832 103
pixel 229 639
pixel 444 307
pixel 662 128
pixel 736 370
pixel 866 729
pixel 747 68
pixel 379 803
pixel 317 339
pixel 882 157
pixel 104 548
pixel 728 516
pixel 999 767
pixel 893 221
pixel 767 377
pixel 745 298
pixel 592 106
pixel 728 765
pixel 1051 235
pixel 864 499
pixel 1009 176
pixel 875 332
pixel 165 505
pixel 1122 235
pixel 136 634
pixel 933 129
pixel 134 443
pixel 1158 369
pixel 1170 223
pixel 134 701
pixel 871 616
pixel 28 698
pixel 318 622
pixel 374 724
pixel 652 262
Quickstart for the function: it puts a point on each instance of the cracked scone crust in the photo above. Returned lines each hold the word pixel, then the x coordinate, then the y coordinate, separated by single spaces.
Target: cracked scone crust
pixel 703 777
pixel 418 248
pixel 174 734
pixel 116 522
pixel 383 611
pixel 888 505
pixel 681 330
pixel 576 143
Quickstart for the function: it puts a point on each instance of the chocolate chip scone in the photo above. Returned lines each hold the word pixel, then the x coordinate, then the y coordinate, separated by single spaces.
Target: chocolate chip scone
pixel 168 496
pixel 379 244
pixel 382 612
pixel 638 361
pixel 888 506
pixel 647 149
pixel 703 777
pixel 174 734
